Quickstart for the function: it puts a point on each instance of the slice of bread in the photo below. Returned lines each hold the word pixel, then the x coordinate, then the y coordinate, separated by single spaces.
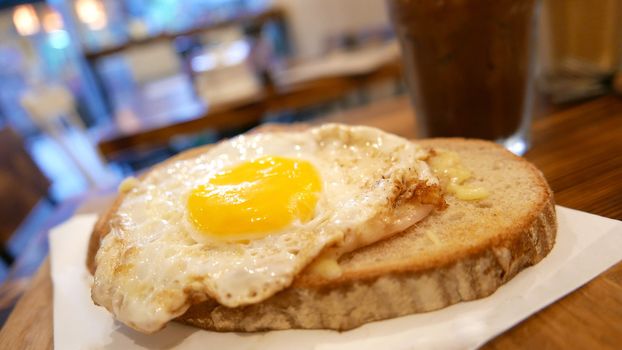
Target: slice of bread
pixel 462 253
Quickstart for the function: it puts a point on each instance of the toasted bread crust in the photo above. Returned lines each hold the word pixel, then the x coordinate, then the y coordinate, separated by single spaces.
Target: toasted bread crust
pixel 389 288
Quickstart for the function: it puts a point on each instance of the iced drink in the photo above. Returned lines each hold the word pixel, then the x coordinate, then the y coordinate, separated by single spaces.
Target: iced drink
pixel 469 66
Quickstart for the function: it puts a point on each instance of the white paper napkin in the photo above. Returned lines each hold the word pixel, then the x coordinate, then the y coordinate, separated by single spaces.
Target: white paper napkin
pixel 586 246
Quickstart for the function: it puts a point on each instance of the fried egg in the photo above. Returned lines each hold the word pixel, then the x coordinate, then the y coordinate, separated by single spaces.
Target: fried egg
pixel 239 221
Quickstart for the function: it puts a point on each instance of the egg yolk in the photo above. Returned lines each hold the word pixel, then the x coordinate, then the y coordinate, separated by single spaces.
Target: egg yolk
pixel 255 198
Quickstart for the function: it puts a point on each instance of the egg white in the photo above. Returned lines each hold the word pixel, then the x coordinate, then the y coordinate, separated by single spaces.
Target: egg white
pixel 154 263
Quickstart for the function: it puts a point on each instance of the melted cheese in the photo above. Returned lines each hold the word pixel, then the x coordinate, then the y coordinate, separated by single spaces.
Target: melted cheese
pixel 326 267
pixel 128 184
pixel 453 176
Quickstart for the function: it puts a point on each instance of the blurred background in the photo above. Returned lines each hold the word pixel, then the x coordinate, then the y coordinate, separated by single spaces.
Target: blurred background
pixel 92 91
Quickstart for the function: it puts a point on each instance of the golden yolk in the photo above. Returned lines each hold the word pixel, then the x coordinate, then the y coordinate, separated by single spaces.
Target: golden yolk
pixel 255 198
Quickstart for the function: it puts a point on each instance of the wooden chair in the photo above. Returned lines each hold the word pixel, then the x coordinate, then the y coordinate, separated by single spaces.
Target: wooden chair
pixel 22 186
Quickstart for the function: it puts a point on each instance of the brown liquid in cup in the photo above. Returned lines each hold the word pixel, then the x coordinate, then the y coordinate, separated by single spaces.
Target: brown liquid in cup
pixel 468 64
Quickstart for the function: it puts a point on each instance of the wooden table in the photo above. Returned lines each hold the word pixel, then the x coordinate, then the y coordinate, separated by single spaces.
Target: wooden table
pixel 579 149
